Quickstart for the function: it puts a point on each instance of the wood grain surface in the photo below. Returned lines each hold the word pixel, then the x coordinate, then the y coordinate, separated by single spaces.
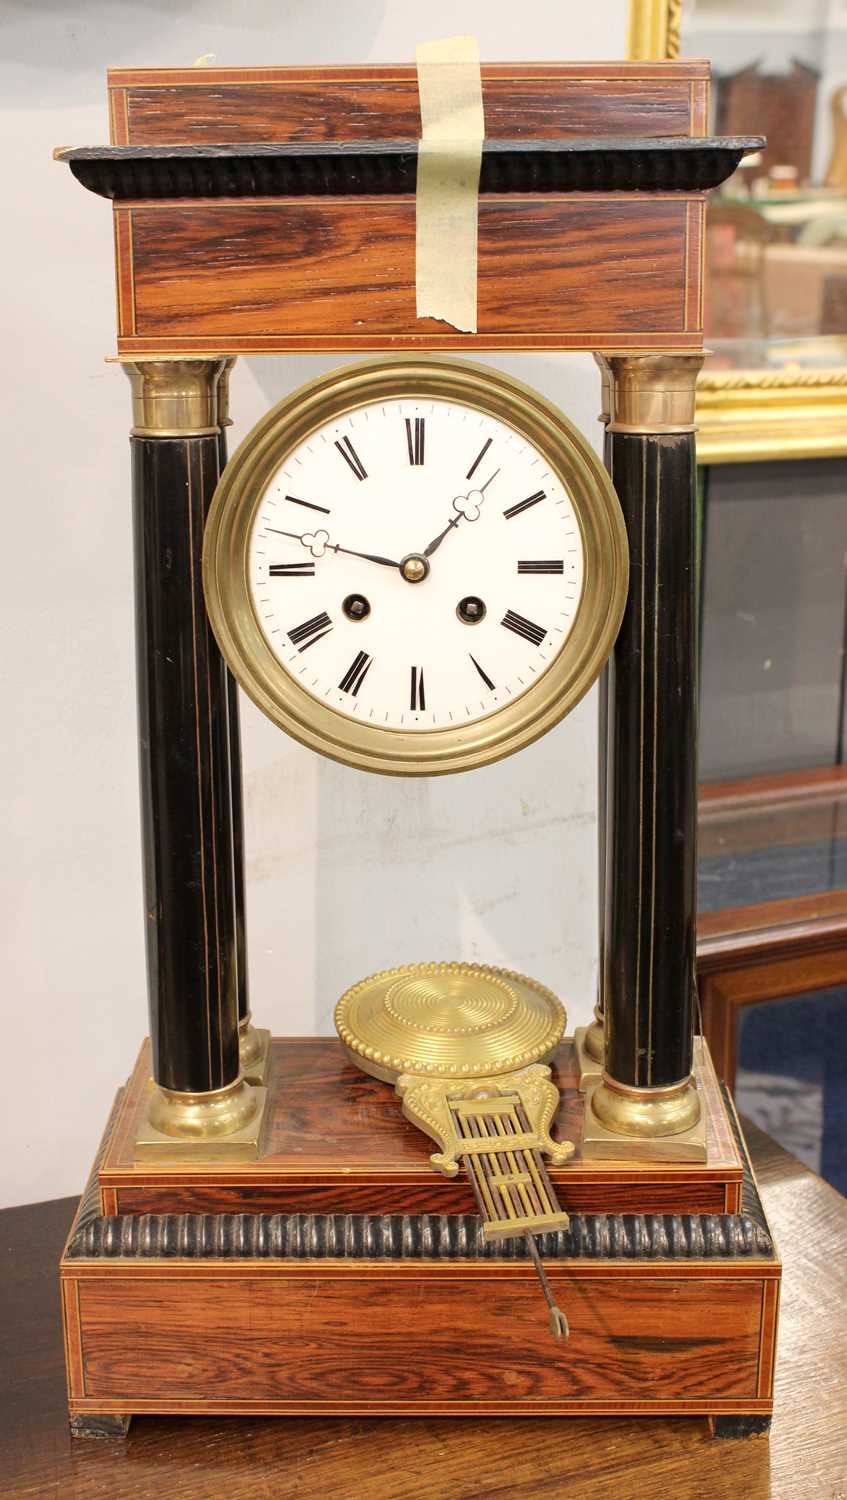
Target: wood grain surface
pixel 435 1457
pixel 337 1140
pixel 265 275
pixel 170 105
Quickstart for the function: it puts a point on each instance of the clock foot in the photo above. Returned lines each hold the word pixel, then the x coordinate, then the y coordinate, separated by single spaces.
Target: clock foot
pixel 89 1424
pixel 739 1426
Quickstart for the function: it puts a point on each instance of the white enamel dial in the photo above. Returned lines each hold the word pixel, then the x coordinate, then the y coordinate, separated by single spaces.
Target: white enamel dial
pixel 473 574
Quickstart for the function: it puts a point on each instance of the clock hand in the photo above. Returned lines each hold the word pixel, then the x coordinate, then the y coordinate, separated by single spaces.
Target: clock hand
pixel 464 505
pixel 318 543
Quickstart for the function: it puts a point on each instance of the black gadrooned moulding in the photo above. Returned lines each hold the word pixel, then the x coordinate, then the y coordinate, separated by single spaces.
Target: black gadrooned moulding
pixel 596 165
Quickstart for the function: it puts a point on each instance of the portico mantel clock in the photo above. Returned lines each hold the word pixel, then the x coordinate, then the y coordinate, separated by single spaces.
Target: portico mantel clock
pixel 415 566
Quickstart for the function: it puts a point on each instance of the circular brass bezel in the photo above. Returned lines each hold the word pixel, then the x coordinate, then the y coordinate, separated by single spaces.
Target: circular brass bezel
pixel 424 752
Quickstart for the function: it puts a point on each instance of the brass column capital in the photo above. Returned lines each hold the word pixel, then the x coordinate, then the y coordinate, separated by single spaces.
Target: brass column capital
pixel 650 393
pixel 224 418
pixel 175 397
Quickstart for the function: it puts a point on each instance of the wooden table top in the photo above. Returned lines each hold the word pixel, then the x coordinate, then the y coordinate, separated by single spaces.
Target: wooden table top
pixel 805 1457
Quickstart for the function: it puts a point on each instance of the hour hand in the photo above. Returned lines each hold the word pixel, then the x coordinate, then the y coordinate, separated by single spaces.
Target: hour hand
pixel 318 542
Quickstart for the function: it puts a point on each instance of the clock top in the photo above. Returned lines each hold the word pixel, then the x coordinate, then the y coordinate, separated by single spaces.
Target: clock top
pixel 265 210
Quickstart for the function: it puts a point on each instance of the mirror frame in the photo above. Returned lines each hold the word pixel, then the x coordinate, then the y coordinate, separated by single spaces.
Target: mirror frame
pixel 751 415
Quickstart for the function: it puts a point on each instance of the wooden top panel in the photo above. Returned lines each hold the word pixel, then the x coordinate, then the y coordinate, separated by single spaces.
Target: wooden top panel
pixel 330 1120
pixel 532 100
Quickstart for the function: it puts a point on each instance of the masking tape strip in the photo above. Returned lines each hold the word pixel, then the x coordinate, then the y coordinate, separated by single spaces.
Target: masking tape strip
pixel 449 160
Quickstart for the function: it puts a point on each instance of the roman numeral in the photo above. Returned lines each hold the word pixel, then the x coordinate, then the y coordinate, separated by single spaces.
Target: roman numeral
pixel 292 570
pixel 310 631
pixel 515 510
pixel 523 627
pixel 415 440
pixel 356 673
pixel 484 675
pixel 324 509
pixel 478 460
pixel 541 567
pixel 351 457
pixel 417 698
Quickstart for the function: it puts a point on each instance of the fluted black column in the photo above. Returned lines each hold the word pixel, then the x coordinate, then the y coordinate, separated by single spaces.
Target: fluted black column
pixel 652 786
pixel 649 800
pixel 184 742
pixel 235 771
pixel 185 790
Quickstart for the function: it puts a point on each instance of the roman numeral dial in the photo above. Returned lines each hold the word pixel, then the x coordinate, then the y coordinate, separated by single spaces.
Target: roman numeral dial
pixel 305 635
pixel 356 673
pixel 351 458
pixel 415 435
pixel 523 627
pixel 415 564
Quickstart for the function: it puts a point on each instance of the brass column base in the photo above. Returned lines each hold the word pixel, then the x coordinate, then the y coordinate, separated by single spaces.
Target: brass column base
pixel 590 1046
pixel 224 1125
pixel 639 1124
pixel 254 1052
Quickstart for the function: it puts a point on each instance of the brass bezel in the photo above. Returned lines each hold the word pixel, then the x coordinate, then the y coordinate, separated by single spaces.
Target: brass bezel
pixel 425 752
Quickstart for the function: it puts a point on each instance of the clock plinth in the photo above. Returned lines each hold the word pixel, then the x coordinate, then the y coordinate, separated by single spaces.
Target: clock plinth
pixel 340 1274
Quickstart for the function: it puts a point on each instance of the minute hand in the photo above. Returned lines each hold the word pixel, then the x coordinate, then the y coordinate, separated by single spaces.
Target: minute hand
pixel 464 505
pixel 316 540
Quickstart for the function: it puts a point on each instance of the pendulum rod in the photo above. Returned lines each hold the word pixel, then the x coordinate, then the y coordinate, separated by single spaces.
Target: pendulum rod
pixel 510 1198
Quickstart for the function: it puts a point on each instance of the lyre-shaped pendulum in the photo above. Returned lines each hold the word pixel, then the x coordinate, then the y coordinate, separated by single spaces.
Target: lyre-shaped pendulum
pixel 513 1191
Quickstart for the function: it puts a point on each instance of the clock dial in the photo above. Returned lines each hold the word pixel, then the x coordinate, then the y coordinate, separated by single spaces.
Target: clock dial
pixel 456 536
pixel 415 566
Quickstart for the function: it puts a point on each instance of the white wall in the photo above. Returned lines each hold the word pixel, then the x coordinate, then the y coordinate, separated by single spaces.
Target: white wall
pixel 347 873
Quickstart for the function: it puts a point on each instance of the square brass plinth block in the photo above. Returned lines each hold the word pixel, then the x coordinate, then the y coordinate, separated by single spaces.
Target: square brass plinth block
pixel 239 1145
pixel 602 1144
pixel 257 1068
pixel 590 1070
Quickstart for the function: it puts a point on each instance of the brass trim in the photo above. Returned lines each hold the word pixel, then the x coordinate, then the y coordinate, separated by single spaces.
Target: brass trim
pixel 651 392
pixel 222 1125
pixel 428 752
pixel 589 1069
pixel 174 397
pixel 254 1051
pixel 646 1112
pixel 653 30
pixel 224 418
pixel 752 416
pixel 599 1143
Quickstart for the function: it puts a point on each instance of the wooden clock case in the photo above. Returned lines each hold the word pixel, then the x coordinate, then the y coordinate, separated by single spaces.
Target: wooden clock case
pixel 268 210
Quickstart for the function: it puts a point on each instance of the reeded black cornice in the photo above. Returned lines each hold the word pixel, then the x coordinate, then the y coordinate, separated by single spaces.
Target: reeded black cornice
pixel 595 165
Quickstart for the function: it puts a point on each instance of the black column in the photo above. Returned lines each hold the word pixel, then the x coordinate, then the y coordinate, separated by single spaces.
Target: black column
pixel 185 779
pixel 237 808
pixel 652 786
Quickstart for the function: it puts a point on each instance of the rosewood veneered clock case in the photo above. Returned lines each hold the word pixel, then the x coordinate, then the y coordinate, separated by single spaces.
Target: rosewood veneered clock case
pixel 415 565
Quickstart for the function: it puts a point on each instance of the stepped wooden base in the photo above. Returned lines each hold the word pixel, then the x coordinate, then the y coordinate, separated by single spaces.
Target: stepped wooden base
pixel 325 1282
pixel 336 1142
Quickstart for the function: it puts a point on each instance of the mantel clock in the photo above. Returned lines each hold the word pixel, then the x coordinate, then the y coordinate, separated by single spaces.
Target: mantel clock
pixel 415 565
pixel 446 582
